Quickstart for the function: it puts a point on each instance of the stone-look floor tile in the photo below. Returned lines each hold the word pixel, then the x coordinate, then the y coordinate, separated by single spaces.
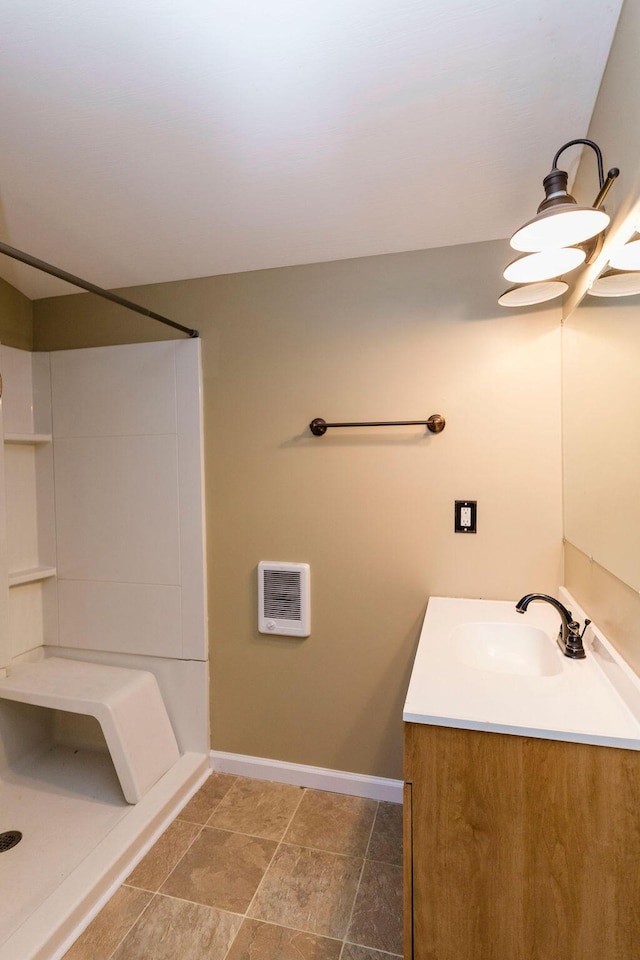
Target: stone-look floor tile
pixel 154 869
pixel 114 921
pixel 386 839
pixel 221 869
pixel 353 952
pixel 257 807
pixel 332 821
pixel 204 802
pixel 308 890
pixel 266 941
pixel 174 930
pixel 377 915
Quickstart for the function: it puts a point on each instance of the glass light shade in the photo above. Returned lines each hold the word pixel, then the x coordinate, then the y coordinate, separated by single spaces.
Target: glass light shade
pixel 627 257
pixel 533 293
pixel 544 266
pixel 612 284
pixel 561 226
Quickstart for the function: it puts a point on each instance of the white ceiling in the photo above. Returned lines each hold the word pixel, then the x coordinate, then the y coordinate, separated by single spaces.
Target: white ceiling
pixel 148 141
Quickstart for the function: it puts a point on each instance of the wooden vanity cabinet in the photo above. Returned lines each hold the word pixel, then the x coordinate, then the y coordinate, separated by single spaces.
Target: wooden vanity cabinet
pixel 519 849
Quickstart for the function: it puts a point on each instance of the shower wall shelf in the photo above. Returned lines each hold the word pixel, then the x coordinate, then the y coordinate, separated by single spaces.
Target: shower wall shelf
pixel 33 575
pixel 28 560
pixel 31 439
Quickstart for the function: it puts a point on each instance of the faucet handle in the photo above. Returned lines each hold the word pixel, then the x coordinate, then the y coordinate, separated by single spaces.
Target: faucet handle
pixel 584 629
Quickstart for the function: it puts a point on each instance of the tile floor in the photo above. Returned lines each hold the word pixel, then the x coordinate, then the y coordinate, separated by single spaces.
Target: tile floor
pixel 252 870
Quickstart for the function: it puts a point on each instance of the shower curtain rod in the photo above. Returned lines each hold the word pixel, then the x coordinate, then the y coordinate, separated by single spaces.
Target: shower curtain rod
pixel 91 287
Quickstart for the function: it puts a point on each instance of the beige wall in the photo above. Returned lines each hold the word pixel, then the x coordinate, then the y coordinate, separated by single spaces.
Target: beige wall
pixel 615 127
pixel 16 320
pixel 399 336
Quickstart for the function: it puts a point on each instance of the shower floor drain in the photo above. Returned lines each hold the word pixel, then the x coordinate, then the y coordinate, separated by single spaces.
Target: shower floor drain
pixel 9 839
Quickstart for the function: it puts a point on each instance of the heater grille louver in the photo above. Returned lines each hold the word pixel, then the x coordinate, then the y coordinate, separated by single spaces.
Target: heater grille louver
pixel 282 594
pixel 283 590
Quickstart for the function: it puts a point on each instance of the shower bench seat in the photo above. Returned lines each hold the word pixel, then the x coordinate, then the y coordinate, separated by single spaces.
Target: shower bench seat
pixel 127 704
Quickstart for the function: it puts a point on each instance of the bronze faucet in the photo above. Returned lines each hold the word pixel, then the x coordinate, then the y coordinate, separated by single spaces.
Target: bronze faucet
pixel 569 637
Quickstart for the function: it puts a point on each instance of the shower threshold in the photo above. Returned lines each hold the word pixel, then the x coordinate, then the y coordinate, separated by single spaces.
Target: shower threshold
pixel 80 839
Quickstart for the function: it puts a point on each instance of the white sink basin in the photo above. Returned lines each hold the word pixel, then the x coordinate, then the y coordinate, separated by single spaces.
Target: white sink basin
pixel 480 665
pixel 515 648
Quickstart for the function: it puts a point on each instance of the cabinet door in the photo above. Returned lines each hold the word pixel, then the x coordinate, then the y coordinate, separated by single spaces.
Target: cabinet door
pixel 523 849
pixel 468 856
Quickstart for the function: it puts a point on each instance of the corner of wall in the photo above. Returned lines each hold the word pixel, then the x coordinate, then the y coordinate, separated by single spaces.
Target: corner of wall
pixel 16 318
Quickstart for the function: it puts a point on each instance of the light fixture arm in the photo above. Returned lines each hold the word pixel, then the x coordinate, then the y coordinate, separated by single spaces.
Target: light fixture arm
pixel 605 185
pixel 587 143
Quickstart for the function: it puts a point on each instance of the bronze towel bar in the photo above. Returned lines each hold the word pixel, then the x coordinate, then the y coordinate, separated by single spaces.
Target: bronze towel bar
pixel 435 424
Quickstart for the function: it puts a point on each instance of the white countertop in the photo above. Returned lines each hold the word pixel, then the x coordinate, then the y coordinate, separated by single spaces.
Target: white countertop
pixel 595 700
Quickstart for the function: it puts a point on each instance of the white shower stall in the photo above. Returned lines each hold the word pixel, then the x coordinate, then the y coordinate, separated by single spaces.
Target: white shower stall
pixel 104 729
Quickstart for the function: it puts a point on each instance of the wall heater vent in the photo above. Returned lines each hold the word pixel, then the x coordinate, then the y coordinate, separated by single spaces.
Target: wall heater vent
pixel 284 599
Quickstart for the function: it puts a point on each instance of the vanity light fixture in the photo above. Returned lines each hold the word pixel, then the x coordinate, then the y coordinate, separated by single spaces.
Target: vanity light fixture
pixel 561 236
pixel 544 265
pixel 560 221
pixel 628 256
pixel 616 283
pixel 530 293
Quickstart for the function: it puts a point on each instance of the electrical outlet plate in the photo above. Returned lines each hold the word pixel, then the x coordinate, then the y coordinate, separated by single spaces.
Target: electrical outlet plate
pixel 465 516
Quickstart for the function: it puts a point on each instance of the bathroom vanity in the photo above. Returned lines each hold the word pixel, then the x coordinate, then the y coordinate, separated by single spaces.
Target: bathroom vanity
pixel 522 793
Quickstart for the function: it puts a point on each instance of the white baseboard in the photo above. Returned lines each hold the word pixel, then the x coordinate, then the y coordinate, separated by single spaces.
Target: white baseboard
pixel 319 778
